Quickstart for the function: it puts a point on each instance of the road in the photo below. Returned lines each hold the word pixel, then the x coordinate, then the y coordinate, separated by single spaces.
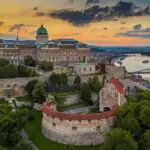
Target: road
pixel 79 110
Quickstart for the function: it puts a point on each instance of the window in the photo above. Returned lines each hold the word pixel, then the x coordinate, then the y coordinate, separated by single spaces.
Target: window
pixel 98 128
pixel 74 128
pixel 53 124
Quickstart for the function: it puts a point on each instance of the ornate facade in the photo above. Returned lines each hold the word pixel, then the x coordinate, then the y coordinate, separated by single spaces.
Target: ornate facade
pixel 61 51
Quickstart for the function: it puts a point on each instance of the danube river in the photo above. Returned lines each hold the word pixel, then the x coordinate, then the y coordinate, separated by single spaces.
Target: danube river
pixel 134 63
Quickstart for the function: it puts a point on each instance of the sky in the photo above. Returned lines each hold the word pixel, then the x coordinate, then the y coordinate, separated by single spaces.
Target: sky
pixel 95 22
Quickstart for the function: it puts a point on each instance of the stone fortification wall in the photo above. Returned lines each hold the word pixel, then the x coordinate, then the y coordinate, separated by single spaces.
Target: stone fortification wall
pixel 77 129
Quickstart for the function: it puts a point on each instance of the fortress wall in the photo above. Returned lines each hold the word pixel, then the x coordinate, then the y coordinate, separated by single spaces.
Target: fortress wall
pixel 76 130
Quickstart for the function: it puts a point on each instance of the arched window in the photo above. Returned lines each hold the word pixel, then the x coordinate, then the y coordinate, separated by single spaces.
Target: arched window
pixel 106 109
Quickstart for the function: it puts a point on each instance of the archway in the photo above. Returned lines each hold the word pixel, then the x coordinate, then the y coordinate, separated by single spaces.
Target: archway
pixel 106 109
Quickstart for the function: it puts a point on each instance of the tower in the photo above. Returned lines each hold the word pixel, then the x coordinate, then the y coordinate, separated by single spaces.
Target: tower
pixel 42 35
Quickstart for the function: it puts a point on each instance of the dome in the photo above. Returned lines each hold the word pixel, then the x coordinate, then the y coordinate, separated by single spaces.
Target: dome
pixel 42 31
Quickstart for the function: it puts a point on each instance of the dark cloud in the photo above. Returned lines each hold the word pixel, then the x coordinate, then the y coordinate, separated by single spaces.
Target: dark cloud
pixel 89 2
pixel 38 12
pixel 1 23
pixel 105 28
pixel 137 31
pixel 69 2
pixel 123 22
pixel 97 13
pixel 18 27
pixel 137 27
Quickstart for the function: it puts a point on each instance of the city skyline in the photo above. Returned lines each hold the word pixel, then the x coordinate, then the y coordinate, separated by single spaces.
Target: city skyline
pixel 61 21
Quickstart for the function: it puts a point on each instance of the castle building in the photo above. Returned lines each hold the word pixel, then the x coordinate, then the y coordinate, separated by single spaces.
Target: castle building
pixel 60 52
pixel 42 35
pixel 112 94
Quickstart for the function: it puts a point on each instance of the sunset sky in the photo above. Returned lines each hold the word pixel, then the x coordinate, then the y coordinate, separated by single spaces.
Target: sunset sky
pixel 59 17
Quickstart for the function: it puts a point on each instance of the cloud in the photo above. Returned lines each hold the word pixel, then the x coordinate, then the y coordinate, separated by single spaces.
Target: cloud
pixel 69 2
pixel 18 27
pixel 38 12
pixel 89 2
pixel 97 13
pixel 123 22
pixel 1 23
pixel 137 31
pixel 105 28
pixel 137 27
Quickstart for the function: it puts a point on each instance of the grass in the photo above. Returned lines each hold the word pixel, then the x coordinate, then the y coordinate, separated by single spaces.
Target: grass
pixel 65 94
pixel 24 99
pixel 33 129
pixel 3 101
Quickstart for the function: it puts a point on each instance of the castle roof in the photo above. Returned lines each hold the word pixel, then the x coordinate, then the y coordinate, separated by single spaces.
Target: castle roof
pixel 42 31
pixel 50 112
pixel 117 85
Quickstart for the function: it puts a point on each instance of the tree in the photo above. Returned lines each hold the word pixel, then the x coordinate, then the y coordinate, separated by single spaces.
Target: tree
pixel 85 93
pixel 119 139
pixel 30 86
pixel 2 148
pixel 77 80
pixel 39 93
pixel 53 79
pixel 3 62
pixel 11 124
pixel 22 145
pixel 95 85
pixel 46 66
pixel 29 61
pixel 146 141
pixel 63 79
pixel 144 114
pixel 131 124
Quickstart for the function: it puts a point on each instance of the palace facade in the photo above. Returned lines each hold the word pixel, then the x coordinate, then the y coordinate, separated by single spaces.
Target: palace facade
pixel 61 51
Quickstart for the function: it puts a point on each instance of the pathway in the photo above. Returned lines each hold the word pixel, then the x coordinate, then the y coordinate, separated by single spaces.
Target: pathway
pixel 79 110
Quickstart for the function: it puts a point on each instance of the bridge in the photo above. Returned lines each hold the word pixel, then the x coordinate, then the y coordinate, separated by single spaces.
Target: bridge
pixel 143 71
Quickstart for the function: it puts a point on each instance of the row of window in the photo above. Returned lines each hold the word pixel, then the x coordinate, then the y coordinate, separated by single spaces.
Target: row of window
pixel 74 128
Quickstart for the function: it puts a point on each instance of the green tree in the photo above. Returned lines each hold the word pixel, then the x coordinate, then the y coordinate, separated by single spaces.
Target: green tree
pixel 29 61
pixel 86 93
pixel 46 66
pixel 145 142
pixel 77 80
pixel 144 115
pixel 11 123
pixel 53 79
pixel 63 79
pixel 2 148
pixel 3 62
pixel 131 124
pixel 39 92
pixel 119 139
pixel 22 145
pixel 95 84
pixel 11 70
pixel 30 86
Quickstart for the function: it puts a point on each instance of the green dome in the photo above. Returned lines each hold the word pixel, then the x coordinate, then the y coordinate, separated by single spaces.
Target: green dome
pixel 42 31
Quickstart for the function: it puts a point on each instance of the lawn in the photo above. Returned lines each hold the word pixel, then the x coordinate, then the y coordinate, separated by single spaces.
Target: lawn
pixel 33 129
pixel 3 101
pixel 24 99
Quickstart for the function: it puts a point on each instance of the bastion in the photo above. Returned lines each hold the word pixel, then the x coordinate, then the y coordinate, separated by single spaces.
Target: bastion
pixel 77 129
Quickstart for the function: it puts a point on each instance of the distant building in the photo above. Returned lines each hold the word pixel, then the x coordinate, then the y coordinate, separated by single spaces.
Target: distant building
pixel 84 68
pixel 60 52
pixel 112 94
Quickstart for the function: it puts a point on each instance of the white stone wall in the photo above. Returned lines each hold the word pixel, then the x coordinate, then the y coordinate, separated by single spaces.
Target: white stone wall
pixel 75 132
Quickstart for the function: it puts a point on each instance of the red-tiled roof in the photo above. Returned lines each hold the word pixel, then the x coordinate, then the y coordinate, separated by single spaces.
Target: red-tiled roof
pixel 50 112
pixel 117 85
